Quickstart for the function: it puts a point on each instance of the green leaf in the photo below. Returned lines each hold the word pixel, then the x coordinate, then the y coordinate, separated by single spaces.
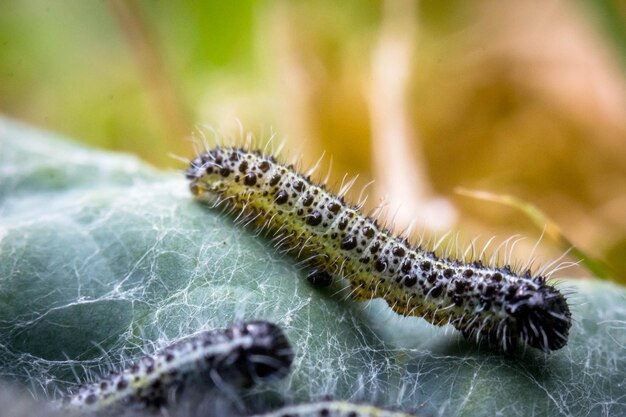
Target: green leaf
pixel 103 256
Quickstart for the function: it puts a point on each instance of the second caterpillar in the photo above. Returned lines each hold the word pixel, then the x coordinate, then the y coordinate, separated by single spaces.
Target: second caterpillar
pixel 240 355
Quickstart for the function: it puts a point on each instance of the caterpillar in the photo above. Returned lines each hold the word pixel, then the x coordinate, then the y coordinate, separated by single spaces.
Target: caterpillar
pixel 241 354
pixel 332 409
pixel 332 237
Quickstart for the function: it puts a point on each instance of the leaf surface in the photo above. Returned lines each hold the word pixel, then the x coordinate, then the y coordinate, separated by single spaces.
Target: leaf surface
pixel 103 258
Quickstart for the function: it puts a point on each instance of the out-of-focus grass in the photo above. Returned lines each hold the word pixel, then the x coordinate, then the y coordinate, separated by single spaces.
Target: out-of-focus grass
pixel 551 230
pixel 519 98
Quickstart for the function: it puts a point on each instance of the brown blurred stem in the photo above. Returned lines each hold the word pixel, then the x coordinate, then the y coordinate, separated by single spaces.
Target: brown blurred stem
pixel 398 160
pixel 599 268
pixel 142 40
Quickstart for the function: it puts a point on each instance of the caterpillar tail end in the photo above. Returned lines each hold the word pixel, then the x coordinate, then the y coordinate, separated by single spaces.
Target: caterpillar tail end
pixel 540 319
pixel 544 319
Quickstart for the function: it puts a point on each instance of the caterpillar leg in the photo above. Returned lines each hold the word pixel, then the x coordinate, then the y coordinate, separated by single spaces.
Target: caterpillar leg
pixel 506 342
pixel 319 278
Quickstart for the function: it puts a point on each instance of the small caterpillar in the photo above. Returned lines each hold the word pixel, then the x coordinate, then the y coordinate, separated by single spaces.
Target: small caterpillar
pixel 244 353
pixel 332 409
pixel 332 237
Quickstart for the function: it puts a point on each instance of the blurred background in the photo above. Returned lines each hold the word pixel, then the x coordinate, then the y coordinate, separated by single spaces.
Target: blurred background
pixel 515 98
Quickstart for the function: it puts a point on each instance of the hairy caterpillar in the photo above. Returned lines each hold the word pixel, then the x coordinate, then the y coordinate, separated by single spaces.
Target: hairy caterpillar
pixel 242 354
pixel 332 237
pixel 332 409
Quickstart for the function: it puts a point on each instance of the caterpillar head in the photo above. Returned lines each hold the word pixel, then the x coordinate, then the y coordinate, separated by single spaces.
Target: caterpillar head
pixel 269 356
pixel 202 166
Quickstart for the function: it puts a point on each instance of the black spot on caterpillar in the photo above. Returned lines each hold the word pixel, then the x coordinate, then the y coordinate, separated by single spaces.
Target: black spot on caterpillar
pixel 241 354
pixel 488 302
pixel 332 409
